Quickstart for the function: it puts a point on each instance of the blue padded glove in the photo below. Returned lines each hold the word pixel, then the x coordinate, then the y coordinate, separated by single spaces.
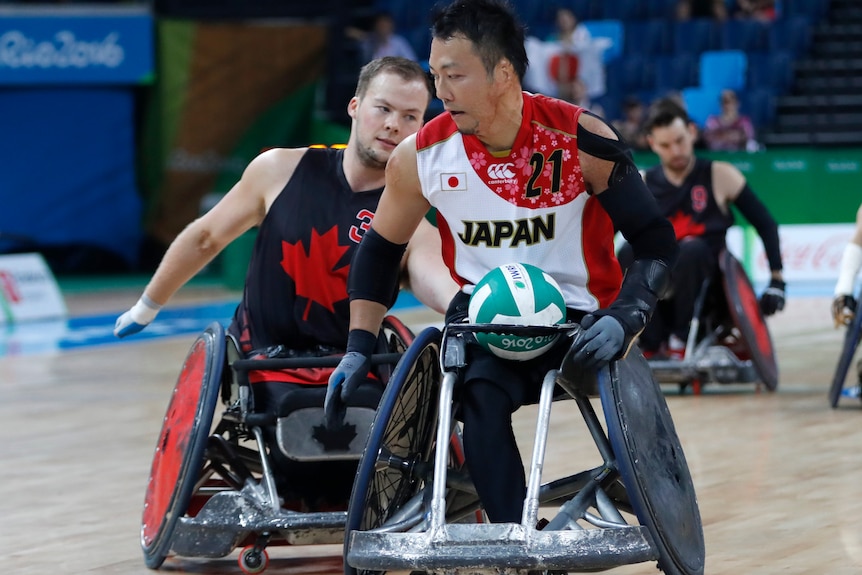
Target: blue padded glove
pixel 137 318
pixel 600 340
pixel 772 299
pixel 351 371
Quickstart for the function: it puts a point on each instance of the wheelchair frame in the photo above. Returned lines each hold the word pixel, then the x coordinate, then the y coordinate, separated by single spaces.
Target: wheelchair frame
pixel 213 488
pixel 724 347
pixel 408 503
pixel 848 350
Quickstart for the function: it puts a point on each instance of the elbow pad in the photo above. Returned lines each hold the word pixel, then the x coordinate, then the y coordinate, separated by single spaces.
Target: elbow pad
pixel 755 212
pixel 374 271
pixel 644 284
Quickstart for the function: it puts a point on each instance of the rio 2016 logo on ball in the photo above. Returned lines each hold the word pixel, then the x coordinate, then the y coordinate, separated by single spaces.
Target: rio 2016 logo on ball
pixel 517 294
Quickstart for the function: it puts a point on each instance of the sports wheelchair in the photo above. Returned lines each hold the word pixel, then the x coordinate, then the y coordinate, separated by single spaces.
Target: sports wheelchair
pixel 839 388
pixel 414 507
pixel 243 478
pixel 728 341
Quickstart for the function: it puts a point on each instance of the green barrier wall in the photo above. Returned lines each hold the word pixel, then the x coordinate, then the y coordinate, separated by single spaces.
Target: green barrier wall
pixel 799 185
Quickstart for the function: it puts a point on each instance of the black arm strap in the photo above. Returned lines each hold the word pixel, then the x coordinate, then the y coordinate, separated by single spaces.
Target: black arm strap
pixel 634 212
pixel 628 201
pixel 375 268
pixel 755 212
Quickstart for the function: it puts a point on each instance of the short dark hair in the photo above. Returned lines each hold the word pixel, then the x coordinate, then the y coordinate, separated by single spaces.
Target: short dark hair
pixel 405 68
pixel 492 27
pixel 663 112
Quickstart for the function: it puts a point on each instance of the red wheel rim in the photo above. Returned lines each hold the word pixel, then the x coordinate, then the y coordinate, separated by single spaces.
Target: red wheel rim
pixel 172 446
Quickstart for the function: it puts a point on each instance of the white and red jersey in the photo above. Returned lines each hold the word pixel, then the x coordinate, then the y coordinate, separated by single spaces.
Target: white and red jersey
pixel 528 206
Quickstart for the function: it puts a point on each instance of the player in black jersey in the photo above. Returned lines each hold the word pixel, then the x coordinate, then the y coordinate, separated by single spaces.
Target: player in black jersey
pixel 695 194
pixel 311 208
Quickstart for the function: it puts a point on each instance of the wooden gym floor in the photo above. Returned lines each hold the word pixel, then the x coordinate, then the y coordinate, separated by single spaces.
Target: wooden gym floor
pixel 778 475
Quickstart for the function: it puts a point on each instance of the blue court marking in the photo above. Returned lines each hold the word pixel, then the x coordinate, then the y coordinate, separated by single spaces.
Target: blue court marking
pixel 90 331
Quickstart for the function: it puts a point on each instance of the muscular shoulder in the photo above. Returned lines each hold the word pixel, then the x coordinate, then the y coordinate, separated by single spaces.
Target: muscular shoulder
pixel 275 163
pixel 267 173
pixel 727 181
pixel 597 126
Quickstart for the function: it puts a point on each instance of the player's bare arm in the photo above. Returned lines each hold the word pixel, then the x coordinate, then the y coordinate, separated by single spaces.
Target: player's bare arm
pixel 242 208
pixel 596 171
pixel 425 274
pixel 727 183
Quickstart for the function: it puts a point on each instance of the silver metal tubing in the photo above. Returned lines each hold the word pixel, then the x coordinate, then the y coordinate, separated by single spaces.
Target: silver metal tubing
pixel 441 453
pixel 531 502
pixel 268 479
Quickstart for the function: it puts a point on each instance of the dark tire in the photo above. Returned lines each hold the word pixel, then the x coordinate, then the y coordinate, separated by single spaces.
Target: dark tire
pixel 745 311
pixel 405 426
pixel 848 350
pixel 179 453
pixel 652 464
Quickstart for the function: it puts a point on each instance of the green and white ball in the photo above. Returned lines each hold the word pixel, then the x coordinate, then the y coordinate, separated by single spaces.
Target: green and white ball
pixel 517 294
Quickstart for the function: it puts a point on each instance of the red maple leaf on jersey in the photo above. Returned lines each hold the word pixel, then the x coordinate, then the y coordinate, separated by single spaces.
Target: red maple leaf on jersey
pixel 312 269
pixel 684 226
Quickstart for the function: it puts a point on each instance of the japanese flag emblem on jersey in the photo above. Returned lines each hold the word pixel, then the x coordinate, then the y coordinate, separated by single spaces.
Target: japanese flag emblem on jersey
pixel 453 182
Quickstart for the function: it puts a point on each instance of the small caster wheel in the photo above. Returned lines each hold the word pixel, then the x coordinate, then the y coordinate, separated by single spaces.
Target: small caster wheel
pixel 253 560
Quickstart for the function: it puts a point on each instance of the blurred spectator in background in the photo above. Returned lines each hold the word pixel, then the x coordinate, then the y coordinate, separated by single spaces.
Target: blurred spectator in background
pixel 630 126
pixel 763 10
pixel 729 130
pixel 572 53
pixel 690 9
pixel 381 40
pixel 569 33
pixel 577 94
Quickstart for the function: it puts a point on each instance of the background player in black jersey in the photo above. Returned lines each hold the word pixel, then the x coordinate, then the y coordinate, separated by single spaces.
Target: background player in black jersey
pixel 696 194
pixel 312 207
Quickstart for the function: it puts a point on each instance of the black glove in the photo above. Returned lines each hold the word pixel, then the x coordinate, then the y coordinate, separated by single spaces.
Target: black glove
pixel 600 341
pixel 351 371
pixel 843 309
pixel 458 307
pixel 772 299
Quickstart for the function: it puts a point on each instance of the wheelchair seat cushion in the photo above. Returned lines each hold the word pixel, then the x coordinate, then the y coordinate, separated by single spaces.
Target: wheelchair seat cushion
pixel 300 431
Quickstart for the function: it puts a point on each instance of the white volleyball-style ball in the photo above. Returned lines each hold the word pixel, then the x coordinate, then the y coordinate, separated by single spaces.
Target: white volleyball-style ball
pixel 517 294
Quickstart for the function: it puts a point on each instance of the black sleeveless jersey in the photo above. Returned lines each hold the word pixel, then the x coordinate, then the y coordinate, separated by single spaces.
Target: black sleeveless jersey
pixel 691 207
pixel 296 285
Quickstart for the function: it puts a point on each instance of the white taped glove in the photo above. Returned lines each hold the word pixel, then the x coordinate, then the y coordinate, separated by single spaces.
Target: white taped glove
pixel 137 318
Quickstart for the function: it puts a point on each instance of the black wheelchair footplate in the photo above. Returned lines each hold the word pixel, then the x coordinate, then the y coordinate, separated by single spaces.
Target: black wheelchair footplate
pixel 589 531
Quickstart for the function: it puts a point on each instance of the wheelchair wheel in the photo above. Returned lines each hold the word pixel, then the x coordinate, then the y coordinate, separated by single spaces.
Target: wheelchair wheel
pixel 745 312
pixel 398 336
pixel 652 464
pixel 404 427
pixel 851 342
pixel 180 449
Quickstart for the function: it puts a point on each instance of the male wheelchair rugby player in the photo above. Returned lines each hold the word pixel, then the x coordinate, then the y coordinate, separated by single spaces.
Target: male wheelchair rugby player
pixel 728 340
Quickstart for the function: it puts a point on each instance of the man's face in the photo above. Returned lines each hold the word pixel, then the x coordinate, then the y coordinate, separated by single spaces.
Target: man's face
pixel 391 109
pixel 462 83
pixel 674 144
